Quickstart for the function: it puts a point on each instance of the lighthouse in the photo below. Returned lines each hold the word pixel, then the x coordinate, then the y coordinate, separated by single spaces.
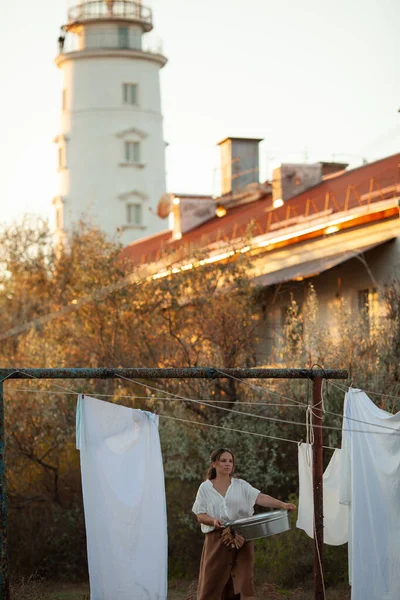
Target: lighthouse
pixel 110 146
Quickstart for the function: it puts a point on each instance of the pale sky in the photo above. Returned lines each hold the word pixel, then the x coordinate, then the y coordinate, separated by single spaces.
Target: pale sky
pixel 316 79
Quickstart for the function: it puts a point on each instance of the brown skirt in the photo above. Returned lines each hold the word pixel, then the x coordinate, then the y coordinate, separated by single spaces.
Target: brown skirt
pixel 225 572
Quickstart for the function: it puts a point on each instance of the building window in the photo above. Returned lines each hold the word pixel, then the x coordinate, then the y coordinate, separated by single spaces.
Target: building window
pixel 132 152
pixel 123 37
pixel 134 214
pixel 59 219
pixel 64 99
pixel 62 157
pixel 368 304
pixel 130 93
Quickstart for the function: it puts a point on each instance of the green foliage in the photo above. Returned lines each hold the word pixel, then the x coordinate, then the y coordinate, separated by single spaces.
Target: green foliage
pixel 288 559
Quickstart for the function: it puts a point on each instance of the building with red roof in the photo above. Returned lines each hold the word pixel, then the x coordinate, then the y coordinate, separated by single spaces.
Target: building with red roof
pixel 338 228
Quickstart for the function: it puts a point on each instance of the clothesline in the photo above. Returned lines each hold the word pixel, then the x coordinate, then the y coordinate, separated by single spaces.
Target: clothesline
pixel 247 414
pixel 263 435
pixel 256 387
pixel 338 385
pixel 259 387
pixel 193 422
pixel 264 390
pixel 346 387
pixel 263 417
pixel 131 397
pixel 230 410
pixel 304 405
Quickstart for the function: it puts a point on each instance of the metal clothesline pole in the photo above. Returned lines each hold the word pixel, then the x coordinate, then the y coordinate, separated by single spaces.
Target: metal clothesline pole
pixel 317 474
pixel 175 373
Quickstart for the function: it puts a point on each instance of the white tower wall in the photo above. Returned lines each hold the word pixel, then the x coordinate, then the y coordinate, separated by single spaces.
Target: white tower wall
pixel 111 146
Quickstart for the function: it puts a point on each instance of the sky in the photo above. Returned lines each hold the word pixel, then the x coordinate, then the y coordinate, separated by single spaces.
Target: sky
pixel 317 80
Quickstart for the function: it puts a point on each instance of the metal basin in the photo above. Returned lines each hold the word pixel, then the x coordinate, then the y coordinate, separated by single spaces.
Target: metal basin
pixel 262 525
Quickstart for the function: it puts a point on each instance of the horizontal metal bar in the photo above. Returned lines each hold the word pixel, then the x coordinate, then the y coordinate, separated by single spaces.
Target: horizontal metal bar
pixel 173 373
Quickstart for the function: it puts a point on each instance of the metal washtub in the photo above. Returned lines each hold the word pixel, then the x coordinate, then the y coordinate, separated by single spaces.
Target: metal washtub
pixel 262 525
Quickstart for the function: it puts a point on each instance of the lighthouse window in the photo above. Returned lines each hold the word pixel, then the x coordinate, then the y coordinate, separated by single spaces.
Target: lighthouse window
pixel 123 37
pixel 59 218
pixel 64 99
pixel 134 214
pixel 132 152
pixel 62 159
pixel 130 93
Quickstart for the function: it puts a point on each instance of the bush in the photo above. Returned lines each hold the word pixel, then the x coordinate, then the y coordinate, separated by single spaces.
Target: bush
pixel 288 559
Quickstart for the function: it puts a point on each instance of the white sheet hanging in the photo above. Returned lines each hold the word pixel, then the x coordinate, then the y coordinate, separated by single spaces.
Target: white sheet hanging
pixel 124 501
pixel 335 514
pixel 370 485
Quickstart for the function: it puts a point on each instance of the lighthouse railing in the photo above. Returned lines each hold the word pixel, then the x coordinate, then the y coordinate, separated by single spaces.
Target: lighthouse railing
pixel 118 9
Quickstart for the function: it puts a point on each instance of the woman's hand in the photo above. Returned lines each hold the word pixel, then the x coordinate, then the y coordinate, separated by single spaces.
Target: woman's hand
pixel 270 502
pixel 205 519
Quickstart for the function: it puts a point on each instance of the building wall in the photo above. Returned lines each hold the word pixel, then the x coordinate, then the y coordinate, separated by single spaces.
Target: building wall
pixel 348 280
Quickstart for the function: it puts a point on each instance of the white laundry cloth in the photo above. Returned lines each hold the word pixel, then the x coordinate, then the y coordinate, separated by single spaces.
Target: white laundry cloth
pixel 335 514
pixel 124 501
pixel 370 485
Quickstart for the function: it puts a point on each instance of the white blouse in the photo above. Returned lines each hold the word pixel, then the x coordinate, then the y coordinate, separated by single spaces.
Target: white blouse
pixel 237 503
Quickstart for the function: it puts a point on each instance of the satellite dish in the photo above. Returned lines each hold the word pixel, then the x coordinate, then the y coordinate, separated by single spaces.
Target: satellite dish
pixel 165 205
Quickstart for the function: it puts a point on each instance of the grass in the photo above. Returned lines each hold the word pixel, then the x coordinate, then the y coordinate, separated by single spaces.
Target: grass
pixel 31 589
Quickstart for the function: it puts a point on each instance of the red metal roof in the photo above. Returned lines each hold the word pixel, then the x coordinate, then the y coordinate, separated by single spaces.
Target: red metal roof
pixel 367 184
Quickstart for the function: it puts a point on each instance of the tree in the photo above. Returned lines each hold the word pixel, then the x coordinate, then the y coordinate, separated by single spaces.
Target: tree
pixel 90 308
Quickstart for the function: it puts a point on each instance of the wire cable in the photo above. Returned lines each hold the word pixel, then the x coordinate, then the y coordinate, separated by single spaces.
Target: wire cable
pixel 358 391
pixel 259 387
pixel 230 410
pixel 275 419
pixel 155 398
pixel 263 417
pixel 185 420
pixel 306 406
pixel 9 375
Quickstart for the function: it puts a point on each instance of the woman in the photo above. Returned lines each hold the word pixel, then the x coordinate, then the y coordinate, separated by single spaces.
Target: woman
pixel 226 571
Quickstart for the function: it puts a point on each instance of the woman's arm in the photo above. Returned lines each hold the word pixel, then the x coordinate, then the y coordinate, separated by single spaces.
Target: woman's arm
pixel 205 519
pixel 270 502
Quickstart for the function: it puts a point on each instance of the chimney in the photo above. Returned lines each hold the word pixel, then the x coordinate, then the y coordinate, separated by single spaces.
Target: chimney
pixel 288 180
pixel 239 164
pixel 191 211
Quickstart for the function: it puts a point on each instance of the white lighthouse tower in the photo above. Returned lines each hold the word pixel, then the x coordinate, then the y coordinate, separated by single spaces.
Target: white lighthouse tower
pixel 111 150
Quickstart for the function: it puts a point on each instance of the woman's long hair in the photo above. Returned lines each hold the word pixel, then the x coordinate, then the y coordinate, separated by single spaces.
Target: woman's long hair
pixel 211 472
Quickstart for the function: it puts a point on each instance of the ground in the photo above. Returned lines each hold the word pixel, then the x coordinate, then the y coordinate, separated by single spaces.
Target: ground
pixel 178 591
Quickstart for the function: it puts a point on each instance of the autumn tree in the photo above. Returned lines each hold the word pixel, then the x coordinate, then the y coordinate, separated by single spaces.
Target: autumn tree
pixel 84 306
